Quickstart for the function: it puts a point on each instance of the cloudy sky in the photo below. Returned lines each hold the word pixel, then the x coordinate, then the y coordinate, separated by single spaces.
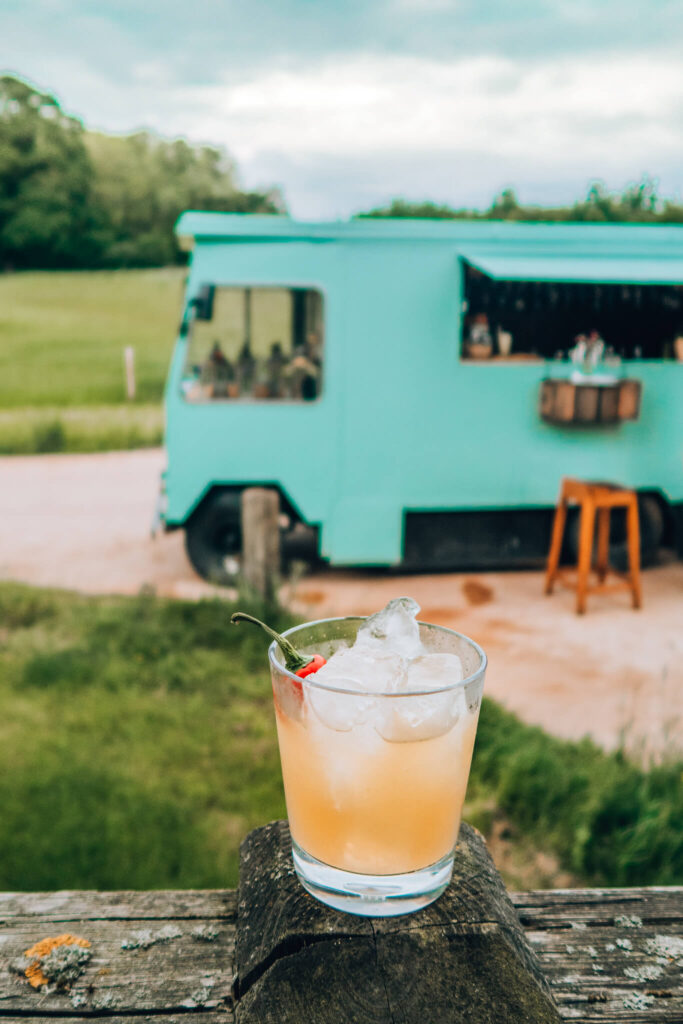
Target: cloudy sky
pixel 348 103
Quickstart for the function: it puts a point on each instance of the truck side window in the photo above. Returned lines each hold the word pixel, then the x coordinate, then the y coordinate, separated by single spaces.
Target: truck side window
pixel 261 344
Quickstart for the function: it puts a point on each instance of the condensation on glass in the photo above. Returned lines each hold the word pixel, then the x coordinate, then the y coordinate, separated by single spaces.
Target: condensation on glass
pixel 263 344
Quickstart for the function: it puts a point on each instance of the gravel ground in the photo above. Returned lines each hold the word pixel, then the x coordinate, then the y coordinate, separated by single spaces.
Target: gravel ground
pixel 83 522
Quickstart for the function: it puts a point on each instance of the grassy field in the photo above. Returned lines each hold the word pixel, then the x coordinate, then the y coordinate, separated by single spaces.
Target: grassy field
pixel 137 747
pixel 62 337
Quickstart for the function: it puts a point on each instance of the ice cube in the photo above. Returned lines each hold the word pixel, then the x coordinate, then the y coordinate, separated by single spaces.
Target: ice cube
pixel 404 719
pixel 340 711
pixel 369 667
pixel 362 670
pixel 394 628
pixel 408 719
pixel 432 671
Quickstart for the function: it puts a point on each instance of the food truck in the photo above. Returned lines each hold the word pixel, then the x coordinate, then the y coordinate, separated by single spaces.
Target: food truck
pixel 407 386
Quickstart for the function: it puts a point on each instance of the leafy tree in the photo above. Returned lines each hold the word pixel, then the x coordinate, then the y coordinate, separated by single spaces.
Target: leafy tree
pixel 142 183
pixel 45 216
pixel 505 206
pixel 74 198
pixel 428 209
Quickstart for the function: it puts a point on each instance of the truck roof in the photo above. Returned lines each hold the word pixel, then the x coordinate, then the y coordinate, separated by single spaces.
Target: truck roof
pixel 619 253
pixel 200 225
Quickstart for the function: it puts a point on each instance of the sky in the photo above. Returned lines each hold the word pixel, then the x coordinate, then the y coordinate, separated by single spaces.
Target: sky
pixel 346 104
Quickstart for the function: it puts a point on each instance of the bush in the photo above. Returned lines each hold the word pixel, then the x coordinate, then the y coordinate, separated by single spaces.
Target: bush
pixel 606 819
pixel 50 437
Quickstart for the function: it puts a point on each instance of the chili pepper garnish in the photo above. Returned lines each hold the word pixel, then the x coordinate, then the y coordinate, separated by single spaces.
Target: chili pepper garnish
pixel 301 665
pixel 313 666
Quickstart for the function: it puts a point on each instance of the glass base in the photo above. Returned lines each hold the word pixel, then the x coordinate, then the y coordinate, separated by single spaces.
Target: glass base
pixel 372 895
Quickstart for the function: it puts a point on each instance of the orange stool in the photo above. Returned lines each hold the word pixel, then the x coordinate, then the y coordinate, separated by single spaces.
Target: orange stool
pixel 595 499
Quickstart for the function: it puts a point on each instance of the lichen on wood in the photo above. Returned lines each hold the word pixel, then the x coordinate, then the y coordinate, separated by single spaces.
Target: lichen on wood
pixel 146 938
pixel 56 960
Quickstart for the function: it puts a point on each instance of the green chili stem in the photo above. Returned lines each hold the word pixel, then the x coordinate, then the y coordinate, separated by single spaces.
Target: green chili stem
pixel 293 660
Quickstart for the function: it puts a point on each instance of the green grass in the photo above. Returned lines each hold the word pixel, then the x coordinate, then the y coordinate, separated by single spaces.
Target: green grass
pixel 137 748
pixel 606 819
pixel 62 335
pixel 137 742
pixel 82 429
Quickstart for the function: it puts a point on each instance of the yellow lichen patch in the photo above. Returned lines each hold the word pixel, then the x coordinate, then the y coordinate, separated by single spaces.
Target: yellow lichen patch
pixel 40 949
pixel 35 975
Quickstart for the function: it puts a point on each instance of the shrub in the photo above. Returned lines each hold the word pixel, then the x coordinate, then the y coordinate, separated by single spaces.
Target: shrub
pixel 607 819
pixel 49 437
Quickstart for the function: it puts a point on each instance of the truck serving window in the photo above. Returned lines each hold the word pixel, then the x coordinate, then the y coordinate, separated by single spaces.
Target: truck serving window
pixel 526 319
pixel 262 344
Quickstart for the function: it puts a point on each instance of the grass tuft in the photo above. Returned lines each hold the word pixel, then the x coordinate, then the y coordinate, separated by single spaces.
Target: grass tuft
pixel 38 430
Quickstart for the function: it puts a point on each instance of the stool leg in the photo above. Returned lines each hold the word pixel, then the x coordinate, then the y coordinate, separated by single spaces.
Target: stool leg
pixel 603 543
pixel 586 533
pixel 555 545
pixel 633 538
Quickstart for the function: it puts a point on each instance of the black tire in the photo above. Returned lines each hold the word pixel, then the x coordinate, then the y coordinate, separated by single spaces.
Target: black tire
pixel 651 519
pixel 213 534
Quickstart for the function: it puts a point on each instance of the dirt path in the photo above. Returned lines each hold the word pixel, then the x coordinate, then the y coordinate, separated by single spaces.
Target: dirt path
pixel 82 522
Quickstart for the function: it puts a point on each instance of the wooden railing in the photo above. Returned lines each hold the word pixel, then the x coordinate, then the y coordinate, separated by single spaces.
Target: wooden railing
pixel 270 953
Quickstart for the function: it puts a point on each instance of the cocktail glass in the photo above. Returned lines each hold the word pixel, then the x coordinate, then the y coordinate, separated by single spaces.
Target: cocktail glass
pixel 375 782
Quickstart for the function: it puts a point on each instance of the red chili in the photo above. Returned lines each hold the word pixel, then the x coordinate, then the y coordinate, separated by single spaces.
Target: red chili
pixel 301 665
pixel 317 662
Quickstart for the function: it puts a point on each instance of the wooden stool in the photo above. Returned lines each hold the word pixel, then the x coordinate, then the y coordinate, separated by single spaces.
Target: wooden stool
pixel 601 499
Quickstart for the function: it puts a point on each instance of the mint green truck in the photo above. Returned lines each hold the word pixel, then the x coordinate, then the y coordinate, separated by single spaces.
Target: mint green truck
pixel 385 377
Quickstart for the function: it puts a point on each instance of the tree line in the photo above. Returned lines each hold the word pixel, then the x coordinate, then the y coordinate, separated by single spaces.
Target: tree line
pixel 75 198
pixel 638 204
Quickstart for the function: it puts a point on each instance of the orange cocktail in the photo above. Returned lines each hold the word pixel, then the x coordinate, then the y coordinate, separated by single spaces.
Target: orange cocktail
pixel 359 802
pixel 376 749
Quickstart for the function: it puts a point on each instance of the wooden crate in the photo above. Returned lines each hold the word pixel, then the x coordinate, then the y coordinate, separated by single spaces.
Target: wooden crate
pixel 564 402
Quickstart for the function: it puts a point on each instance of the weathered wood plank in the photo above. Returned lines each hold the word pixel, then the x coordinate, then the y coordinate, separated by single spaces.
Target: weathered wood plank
pixel 186 1017
pixel 160 964
pixel 91 906
pixel 177 972
pixel 612 955
pixel 659 902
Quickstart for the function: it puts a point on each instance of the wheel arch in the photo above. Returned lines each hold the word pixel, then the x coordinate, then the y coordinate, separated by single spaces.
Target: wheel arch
pixel 287 505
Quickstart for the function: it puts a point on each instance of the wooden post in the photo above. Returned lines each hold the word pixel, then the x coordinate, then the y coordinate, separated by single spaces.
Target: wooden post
pixel 261 541
pixel 463 960
pixel 129 366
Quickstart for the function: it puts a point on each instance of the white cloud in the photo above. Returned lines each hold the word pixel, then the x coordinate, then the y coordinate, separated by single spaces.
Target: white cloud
pixel 366 105
pixel 413 125
pixel 424 6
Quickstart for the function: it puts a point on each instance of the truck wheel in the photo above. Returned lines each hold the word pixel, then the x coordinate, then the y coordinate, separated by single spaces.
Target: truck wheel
pixel 213 537
pixel 651 533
